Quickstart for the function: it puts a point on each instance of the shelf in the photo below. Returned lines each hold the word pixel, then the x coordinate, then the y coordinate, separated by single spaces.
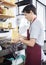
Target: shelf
pixel 7 4
pixel 3 32
pixel 5 16
pixel 5 28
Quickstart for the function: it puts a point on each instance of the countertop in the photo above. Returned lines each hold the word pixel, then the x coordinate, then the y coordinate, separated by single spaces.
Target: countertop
pixel 9 47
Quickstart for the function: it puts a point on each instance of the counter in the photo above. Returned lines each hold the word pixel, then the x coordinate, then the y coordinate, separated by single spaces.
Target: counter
pixel 9 47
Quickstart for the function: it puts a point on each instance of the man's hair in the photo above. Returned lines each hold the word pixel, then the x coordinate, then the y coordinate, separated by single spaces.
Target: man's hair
pixel 29 8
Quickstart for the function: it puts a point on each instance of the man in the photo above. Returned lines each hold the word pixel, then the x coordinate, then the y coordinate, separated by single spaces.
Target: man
pixel 34 45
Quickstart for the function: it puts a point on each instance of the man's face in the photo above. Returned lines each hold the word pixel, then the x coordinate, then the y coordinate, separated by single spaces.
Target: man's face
pixel 28 16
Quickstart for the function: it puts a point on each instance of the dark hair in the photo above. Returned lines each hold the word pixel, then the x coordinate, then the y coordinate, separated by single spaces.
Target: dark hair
pixel 29 8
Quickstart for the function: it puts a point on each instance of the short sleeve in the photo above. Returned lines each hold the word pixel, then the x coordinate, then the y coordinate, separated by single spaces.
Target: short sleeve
pixel 34 31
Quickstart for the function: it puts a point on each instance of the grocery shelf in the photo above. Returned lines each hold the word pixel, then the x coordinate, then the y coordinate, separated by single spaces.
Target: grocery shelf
pixel 5 28
pixel 5 16
pixel 7 4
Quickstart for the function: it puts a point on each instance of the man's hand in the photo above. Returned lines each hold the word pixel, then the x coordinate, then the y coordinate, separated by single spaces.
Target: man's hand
pixel 15 40
pixel 22 38
pixel 30 42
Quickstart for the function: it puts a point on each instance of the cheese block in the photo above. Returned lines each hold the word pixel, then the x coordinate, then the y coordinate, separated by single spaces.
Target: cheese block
pixel 5 25
pixel 1 24
pixel 5 11
pixel 10 1
pixel 15 33
pixel 1 10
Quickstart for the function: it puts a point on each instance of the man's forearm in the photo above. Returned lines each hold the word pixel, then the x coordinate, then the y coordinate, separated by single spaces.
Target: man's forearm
pixel 28 42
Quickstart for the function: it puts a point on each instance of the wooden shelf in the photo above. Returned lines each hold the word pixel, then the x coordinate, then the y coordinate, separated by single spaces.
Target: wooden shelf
pixel 5 28
pixel 5 16
pixel 7 4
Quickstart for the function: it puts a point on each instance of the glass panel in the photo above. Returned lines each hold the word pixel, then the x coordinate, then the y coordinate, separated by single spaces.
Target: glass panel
pixel 45 18
pixel 41 14
pixel 43 1
pixel 45 23
pixel 34 2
